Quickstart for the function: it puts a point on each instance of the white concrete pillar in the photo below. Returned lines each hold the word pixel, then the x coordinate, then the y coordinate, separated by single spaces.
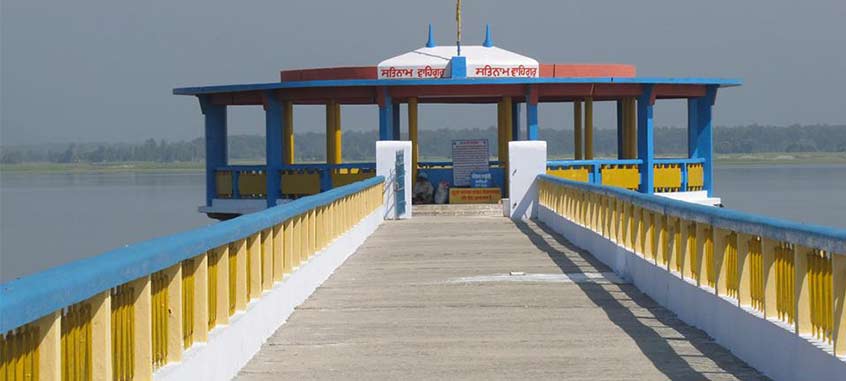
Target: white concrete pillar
pixel 386 154
pixel 527 160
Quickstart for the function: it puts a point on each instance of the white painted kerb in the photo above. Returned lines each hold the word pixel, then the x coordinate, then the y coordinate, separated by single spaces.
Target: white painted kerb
pixel 231 346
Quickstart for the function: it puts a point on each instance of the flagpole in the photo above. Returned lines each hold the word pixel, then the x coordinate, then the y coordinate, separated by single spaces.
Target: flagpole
pixel 458 22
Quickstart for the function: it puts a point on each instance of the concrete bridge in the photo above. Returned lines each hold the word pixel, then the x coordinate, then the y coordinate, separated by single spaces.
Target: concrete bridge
pixel 580 281
pixel 446 306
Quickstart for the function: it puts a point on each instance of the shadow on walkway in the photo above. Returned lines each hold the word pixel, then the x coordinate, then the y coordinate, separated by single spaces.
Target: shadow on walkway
pixel 652 344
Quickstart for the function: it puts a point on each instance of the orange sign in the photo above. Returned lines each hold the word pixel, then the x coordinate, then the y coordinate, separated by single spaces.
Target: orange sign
pixel 474 195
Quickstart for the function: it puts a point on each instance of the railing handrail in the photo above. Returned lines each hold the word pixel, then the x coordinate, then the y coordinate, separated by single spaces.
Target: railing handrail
pixel 592 162
pixel 670 160
pixel 826 238
pixel 622 161
pixel 263 167
pixel 28 298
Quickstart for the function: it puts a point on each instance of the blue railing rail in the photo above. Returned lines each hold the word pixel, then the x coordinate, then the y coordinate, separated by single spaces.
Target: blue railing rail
pixel 596 166
pixel 31 297
pixel 430 164
pixel 816 236
pixel 324 170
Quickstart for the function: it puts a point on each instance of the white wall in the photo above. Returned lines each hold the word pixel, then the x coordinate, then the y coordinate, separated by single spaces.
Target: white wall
pixel 526 160
pixel 386 154
pixel 231 346
pixel 768 346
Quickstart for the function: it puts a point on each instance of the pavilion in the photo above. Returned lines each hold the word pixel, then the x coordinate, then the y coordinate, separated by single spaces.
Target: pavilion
pixel 482 74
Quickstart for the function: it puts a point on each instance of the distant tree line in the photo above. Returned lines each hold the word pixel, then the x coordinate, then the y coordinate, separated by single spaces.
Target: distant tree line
pixel 360 145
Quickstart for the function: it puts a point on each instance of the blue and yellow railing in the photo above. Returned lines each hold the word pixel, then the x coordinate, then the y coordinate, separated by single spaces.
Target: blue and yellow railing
pixel 790 272
pixel 125 313
pixel 297 180
pixel 670 175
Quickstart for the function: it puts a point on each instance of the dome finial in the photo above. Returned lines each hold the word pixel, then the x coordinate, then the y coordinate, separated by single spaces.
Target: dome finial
pixel 488 41
pixel 431 42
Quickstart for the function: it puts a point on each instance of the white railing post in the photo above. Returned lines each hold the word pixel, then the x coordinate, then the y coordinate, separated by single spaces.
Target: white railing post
pixel 527 160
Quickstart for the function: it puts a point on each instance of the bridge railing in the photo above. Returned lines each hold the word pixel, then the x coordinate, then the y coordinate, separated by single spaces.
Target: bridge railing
pixel 297 180
pixel 670 175
pixel 125 313
pixel 794 274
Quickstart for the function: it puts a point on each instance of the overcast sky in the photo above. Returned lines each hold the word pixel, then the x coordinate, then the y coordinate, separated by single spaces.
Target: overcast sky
pixel 103 70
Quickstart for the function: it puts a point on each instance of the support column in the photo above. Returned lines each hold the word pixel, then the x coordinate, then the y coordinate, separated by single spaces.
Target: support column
pixel 630 128
pixel 577 131
pixel 645 147
pixel 532 113
pixel 700 134
pixel 330 132
pixel 395 122
pixel 412 135
pixel 288 128
pixel 508 131
pixel 620 136
pixel 274 146
pixel 216 155
pixel 508 110
pixel 589 128
pixel 338 135
pixel 501 144
pixel 515 121
pixel 385 114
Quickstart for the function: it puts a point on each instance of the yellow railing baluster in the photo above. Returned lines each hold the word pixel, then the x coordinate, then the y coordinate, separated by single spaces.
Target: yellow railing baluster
pixel 756 260
pixel 19 358
pixel 785 282
pixel 211 285
pixel 123 338
pixel 188 303
pixel 730 261
pixel 76 342
pixel 710 268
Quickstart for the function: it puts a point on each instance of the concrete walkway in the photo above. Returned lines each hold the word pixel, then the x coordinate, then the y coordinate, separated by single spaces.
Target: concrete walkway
pixel 433 298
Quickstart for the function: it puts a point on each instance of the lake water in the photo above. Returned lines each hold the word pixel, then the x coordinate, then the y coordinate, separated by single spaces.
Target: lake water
pixel 50 219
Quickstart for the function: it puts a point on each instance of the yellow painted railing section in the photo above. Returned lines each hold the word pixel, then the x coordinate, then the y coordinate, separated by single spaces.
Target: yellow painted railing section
pixel 695 177
pixel 150 322
pixel 668 176
pixel 295 182
pixel 779 279
pixel 621 176
pixel 575 173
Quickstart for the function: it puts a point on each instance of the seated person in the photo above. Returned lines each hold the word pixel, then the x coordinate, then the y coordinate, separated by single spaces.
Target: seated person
pixel 423 191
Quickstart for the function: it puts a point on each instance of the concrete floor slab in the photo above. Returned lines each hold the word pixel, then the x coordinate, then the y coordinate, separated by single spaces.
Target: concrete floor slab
pixel 394 310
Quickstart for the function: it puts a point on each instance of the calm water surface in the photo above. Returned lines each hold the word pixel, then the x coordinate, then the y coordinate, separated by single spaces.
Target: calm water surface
pixel 50 219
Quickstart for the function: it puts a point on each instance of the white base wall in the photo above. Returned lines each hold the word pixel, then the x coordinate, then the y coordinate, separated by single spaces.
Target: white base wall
pixel 768 346
pixel 231 346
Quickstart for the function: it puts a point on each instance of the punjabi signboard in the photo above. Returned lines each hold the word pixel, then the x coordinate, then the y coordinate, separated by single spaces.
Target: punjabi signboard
pixel 468 156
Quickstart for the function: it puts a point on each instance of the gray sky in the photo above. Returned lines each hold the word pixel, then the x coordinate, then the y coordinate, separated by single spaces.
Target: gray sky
pixel 103 70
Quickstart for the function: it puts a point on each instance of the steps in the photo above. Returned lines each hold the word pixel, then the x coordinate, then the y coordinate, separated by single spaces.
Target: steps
pixel 457 210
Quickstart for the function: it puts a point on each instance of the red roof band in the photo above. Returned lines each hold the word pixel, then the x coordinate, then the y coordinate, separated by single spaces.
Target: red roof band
pixel 546 71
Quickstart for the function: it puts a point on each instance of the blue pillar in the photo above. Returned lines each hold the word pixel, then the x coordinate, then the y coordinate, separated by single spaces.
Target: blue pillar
pixel 273 125
pixel 645 146
pixel 215 130
pixel 515 121
pixel 692 128
pixel 385 116
pixel 705 138
pixel 395 121
pixel 620 141
pixel 532 114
